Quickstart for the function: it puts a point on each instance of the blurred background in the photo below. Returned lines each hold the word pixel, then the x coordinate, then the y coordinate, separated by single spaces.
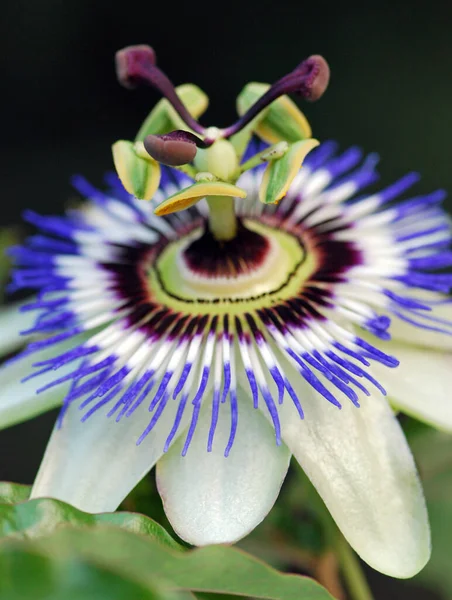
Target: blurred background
pixel 390 92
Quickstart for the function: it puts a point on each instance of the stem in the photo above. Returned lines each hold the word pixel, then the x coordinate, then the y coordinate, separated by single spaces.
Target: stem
pixel 325 569
pixel 222 217
pixel 356 582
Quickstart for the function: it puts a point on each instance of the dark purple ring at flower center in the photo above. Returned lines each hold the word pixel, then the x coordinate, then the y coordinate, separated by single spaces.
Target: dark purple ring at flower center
pixel 210 257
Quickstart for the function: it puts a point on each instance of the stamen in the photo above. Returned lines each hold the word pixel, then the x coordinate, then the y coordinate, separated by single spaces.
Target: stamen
pixel 135 65
pixel 309 80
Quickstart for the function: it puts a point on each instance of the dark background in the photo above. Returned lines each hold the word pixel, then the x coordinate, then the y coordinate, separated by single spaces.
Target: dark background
pixel 390 92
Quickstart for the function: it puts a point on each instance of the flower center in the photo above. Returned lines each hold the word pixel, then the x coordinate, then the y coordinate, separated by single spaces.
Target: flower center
pixel 261 265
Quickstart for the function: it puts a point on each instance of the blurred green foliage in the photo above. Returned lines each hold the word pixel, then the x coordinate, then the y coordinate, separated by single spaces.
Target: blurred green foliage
pixel 433 452
pixel 64 551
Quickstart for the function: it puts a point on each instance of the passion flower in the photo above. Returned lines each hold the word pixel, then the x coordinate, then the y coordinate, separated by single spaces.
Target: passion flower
pixel 243 315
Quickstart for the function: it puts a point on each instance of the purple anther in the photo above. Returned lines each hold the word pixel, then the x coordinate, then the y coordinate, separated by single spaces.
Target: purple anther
pixel 173 149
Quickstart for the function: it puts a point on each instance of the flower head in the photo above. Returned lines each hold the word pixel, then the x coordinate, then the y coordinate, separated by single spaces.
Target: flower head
pixel 242 315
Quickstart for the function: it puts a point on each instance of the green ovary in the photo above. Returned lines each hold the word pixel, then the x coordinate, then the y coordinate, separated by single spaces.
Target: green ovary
pixel 280 276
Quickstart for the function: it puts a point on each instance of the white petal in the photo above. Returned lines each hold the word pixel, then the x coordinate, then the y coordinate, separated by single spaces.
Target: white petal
pixel 95 464
pixel 12 322
pixel 418 336
pixel 19 401
pixel 211 499
pixel 421 385
pixel 360 463
pixel 409 334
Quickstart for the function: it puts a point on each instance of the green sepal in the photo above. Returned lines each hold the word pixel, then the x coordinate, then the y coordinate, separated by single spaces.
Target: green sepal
pixel 282 120
pixel 140 176
pixel 163 118
pixel 280 173
pixel 192 194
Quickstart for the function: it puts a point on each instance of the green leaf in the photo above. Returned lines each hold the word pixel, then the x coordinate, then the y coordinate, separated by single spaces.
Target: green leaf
pixel 140 176
pixel 280 173
pixel 43 516
pixel 215 568
pixel 282 121
pixel 163 118
pixel 11 493
pixel 25 574
pixel 61 539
